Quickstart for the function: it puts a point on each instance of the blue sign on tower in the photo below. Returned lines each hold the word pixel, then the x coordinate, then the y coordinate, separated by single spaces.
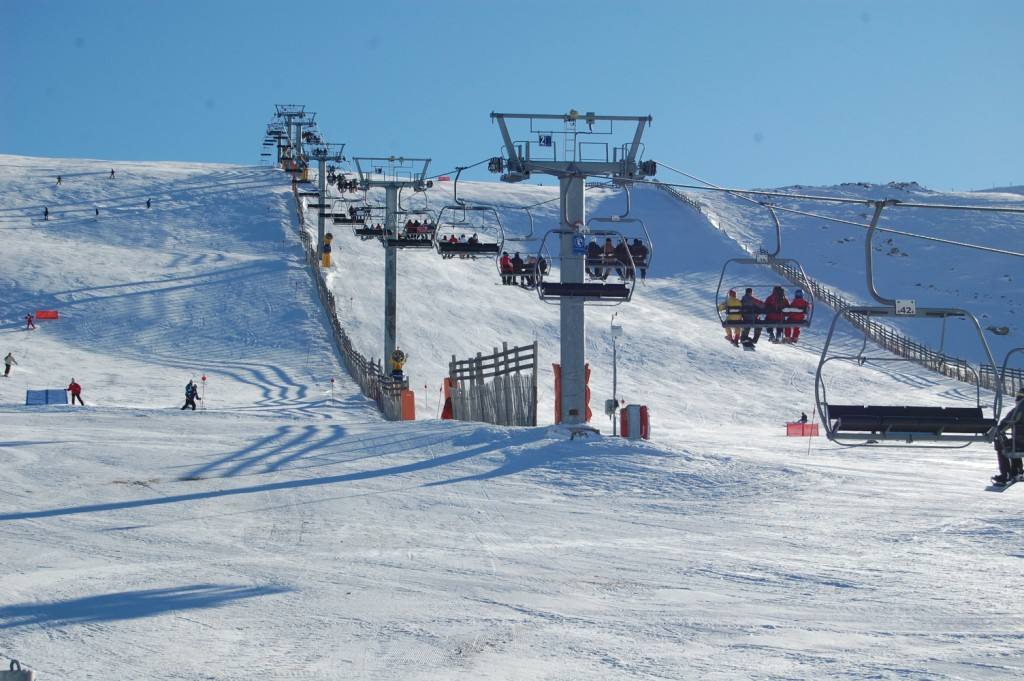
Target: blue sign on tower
pixel 578 245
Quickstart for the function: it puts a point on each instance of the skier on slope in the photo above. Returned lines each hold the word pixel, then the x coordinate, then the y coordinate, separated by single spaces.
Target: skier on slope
pixel 8 363
pixel 111 173
pixel 1014 423
pixel 30 324
pixel 46 213
pixel 191 395
pixel 76 392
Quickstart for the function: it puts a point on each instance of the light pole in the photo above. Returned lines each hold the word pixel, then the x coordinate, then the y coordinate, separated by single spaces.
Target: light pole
pixel 616 332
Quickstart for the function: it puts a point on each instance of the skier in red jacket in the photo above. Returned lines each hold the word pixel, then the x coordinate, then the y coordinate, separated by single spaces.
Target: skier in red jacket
pixel 795 315
pixel 506 268
pixel 29 323
pixel 76 392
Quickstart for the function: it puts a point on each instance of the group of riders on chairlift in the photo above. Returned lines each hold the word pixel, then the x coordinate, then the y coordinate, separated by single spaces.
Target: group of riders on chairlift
pixel 625 259
pixel 775 308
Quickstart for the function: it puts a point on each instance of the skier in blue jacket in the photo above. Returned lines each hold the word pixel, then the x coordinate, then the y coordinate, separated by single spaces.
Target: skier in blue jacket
pixel 191 395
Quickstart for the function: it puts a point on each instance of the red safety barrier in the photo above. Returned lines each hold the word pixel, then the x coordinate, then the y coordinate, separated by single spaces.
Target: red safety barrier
pixel 408 405
pixel 798 429
pixel 628 428
pixel 558 392
pixel 47 314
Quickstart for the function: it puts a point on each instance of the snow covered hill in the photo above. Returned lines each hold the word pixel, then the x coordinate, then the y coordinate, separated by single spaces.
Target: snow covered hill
pixel 283 533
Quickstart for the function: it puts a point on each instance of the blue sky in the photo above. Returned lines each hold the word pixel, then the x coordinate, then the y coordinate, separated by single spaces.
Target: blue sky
pixel 743 93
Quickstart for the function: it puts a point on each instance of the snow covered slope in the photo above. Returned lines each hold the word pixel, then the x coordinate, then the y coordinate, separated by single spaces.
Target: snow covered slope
pixel 280 534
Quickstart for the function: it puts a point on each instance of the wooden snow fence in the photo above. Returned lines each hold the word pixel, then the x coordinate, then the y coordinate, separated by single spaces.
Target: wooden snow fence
pixel 368 373
pixel 500 388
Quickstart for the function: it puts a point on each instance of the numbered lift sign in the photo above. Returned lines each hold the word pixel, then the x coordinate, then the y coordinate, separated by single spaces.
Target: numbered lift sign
pixel 906 308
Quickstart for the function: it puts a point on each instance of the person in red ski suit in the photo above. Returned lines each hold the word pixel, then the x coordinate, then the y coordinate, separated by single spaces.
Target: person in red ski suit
pixel 798 314
pixel 76 392
pixel 29 323
pixel 505 264
pixel 773 306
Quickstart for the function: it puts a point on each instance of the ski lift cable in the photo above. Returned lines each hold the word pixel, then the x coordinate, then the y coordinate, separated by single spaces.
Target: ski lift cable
pixel 950 242
pixel 457 169
pixel 829 199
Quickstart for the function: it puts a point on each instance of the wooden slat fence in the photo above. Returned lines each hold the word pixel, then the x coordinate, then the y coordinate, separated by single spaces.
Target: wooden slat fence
pixel 500 388
pixel 885 336
pixel 368 373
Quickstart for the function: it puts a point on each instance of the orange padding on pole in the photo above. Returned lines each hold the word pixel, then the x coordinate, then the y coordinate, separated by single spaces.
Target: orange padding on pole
pixel 408 405
pixel 801 430
pixel 47 314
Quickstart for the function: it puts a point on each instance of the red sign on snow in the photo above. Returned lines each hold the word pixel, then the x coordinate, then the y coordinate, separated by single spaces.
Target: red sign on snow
pixel 204 378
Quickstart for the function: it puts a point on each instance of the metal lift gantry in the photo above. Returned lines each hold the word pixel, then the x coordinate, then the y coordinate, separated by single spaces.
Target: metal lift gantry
pixel 572 163
pixel 295 117
pixel 323 153
pixel 392 173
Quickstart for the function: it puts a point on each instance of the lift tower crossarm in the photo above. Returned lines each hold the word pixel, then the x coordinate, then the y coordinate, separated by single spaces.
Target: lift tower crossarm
pixel 520 163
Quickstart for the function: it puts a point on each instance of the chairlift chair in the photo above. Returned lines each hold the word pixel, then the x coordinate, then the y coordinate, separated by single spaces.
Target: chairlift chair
pixel 923 426
pixel 594 288
pixel 728 280
pixel 402 239
pixel 456 226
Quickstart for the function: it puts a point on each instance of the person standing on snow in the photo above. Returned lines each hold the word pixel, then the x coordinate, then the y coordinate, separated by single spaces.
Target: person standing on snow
pixel 30 325
pixel 149 202
pixel 76 392
pixel 111 173
pixel 46 213
pixel 8 363
pixel 191 395
pixel 1014 423
pixel 58 180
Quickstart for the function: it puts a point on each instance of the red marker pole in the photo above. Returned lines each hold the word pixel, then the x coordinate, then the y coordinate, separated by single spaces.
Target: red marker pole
pixel 202 398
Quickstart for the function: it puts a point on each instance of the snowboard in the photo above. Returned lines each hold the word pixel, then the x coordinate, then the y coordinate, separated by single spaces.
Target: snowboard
pixel 993 487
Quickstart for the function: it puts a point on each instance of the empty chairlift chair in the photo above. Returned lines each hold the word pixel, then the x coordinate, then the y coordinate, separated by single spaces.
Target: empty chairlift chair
pixel 934 426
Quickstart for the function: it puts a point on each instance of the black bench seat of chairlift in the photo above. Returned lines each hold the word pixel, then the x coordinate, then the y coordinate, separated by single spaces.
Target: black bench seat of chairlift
pixel 409 243
pixel 345 220
pixel 463 247
pixel 368 232
pixel 583 290
pixel 740 324
pixel 898 420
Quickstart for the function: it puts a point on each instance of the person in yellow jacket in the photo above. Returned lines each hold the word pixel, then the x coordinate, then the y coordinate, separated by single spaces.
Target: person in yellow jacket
pixel 732 305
